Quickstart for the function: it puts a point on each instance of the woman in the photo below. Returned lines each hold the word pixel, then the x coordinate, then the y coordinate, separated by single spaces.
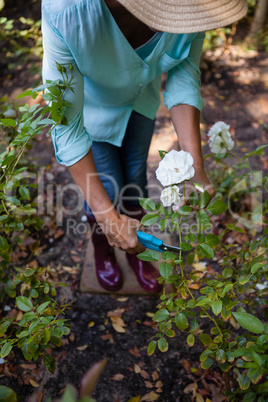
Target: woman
pixel 118 50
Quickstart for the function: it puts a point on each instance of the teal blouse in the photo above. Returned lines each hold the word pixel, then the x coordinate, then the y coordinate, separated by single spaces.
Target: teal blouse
pixel 111 78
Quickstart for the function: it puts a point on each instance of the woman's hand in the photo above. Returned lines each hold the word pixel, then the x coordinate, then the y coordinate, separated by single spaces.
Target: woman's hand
pixel 121 232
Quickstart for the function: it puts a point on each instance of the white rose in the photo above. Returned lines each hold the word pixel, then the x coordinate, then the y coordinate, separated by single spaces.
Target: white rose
pixel 175 167
pixel 217 128
pixel 170 195
pixel 220 143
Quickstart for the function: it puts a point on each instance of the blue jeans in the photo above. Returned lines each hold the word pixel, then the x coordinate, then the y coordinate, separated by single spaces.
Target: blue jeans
pixel 123 169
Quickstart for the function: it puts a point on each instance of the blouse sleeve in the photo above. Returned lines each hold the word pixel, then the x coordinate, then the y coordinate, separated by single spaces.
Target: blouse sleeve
pixel 183 80
pixel 71 142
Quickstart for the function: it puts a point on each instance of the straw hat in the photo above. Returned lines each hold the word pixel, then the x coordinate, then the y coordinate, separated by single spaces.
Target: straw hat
pixel 186 16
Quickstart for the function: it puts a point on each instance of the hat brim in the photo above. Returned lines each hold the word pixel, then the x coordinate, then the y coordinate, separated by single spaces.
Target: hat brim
pixel 186 16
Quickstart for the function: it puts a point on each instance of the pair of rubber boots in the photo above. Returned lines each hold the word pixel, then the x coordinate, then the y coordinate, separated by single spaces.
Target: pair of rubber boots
pixel 107 269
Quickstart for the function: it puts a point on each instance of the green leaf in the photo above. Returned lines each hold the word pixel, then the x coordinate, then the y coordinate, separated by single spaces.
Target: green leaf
pixel 244 381
pixel 207 250
pixel 244 279
pixel 190 340
pixel 168 255
pixel 151 348
pixel 162 345
pixel 4 326
pixel 149 255
pixel 40 309
pixel 185 210
pixel 163 224
pixel 217 207
pixel 203 220
pixel 170 333
pixel 256 267
pixel 205 339
pixel 46 336
pixel 147 204
pixel 203 199
pixel 227 272
pixel 50 363
pixel 249 397
pixel 249 322
pixel 192 237
pixel 8 122
pixel 7 394
pixel 216 306
pixel 23 303
pixel 162 153
pixel 193 199
pixel 221 356
pixel 255 374
pixel 212 240
pixel 165 269
pixel 185 246
pixel 262 388
pixel 161 315
pixel 224 367
pixel 181 321
pixel 150 219
pixel 3 245
pixel 227 287
pixel 26 93
pixel 6 349
pixel 206 364
pixel 25 193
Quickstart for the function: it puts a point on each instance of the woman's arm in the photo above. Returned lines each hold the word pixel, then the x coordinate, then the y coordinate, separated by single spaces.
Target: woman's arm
pixel 120 230
pixel 186 120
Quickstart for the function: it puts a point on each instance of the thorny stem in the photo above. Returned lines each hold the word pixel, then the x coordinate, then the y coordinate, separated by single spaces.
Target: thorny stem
pixel 182 273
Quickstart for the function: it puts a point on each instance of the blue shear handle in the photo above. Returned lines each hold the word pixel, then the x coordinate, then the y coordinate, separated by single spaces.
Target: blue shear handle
pixel 150 241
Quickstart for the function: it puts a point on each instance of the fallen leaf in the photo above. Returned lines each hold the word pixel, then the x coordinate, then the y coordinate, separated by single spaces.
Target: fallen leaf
pixel 145 375
pixel 118 321
pixel 148 384
pixel 199 398
pixel 159 384
pixel 116 313
pixel 72 337
pixel 149 314
pixel 152 396
pixel 118 328
pixel 19 316
pixel 190 388
pixel 137 369
pixel 70 270
pixel 59 233
pixel 149 323
pixel 186 365
pixel 135 399
pixel 82 347
pixel 159 390
pixel 28 366
pixel 135 351
pixel 34 383
pixel 122 299
pixel 91 324
pixel 75 258
pixel 39 396
pixel 117 377
pixel 155 375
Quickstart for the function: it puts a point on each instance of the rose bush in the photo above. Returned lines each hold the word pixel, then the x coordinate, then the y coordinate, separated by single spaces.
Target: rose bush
pixel 228 297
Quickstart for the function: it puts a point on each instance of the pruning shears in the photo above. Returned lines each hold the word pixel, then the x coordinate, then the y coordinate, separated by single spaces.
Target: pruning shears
pixel 153 243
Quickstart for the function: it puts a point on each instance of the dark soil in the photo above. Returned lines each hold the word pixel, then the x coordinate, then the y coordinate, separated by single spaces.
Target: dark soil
pixel 235 91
